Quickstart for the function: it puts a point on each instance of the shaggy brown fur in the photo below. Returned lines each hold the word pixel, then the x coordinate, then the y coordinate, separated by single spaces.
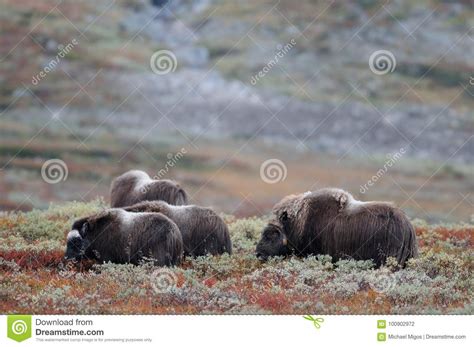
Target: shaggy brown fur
pixel 123 237
pixel 135 186
pixel 204 232
pixel 330 221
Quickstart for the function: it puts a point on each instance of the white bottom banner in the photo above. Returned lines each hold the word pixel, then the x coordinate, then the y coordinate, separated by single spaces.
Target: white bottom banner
pixel 231 330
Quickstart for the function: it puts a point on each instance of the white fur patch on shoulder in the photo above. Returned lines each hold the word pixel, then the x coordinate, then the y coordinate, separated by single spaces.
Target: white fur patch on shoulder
pixel 179 211
pixel 128 218
pixel 142 182
pixel 73 234
pixel 125 217
pixel 353 204
pixel 336 191
pixel 178 208
pixel 138 173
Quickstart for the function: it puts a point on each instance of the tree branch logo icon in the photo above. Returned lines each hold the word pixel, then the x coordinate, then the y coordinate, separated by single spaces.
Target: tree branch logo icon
pixel 19 327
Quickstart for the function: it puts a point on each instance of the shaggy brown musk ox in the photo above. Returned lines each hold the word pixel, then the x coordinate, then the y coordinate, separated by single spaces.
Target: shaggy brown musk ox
pixel 330 221
pixel 123 237
pixel 135 186
pixel 203 231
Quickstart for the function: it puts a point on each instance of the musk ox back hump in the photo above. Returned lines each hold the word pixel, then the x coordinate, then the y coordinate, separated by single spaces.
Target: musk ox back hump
pixel 136 186
pixel 375 231
pixel 330 221
pixel 156 236
pixel 166 190
pixel 204 232
pixel 123 237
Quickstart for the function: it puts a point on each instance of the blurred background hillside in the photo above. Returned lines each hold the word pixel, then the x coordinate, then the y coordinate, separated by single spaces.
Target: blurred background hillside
pixel 249 81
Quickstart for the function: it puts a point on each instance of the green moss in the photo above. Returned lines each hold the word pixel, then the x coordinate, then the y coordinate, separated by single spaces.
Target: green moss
pixel 51 224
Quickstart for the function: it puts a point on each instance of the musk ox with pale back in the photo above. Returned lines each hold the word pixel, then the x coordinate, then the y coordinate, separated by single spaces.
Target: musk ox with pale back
pixel 203 231
pixel 135 186
pixel 121 237
pixel 330 221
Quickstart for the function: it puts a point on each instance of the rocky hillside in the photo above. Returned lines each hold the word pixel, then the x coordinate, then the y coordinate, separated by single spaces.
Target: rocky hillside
pixel 321 93
pixel 77 82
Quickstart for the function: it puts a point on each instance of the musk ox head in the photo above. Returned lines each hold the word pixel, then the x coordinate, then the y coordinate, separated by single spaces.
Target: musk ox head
pixel 272 243
pixel 74 248
pixel 286 213
pixel 78 244
pixel 294 212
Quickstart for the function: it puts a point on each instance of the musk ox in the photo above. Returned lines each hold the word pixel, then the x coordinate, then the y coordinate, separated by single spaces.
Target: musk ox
pixel 330 221
pixel 123 237
pixel 203 231
pixel 135 186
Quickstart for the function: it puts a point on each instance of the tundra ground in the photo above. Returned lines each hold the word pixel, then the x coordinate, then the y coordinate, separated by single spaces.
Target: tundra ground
pixel 34 278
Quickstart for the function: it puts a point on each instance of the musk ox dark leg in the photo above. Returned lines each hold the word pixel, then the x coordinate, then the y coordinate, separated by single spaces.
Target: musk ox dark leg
pixel 410 246
pixel 401 238
pixel 227 244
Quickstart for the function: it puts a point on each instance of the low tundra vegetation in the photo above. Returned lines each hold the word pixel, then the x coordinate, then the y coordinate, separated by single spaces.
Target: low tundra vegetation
pixel 35 279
